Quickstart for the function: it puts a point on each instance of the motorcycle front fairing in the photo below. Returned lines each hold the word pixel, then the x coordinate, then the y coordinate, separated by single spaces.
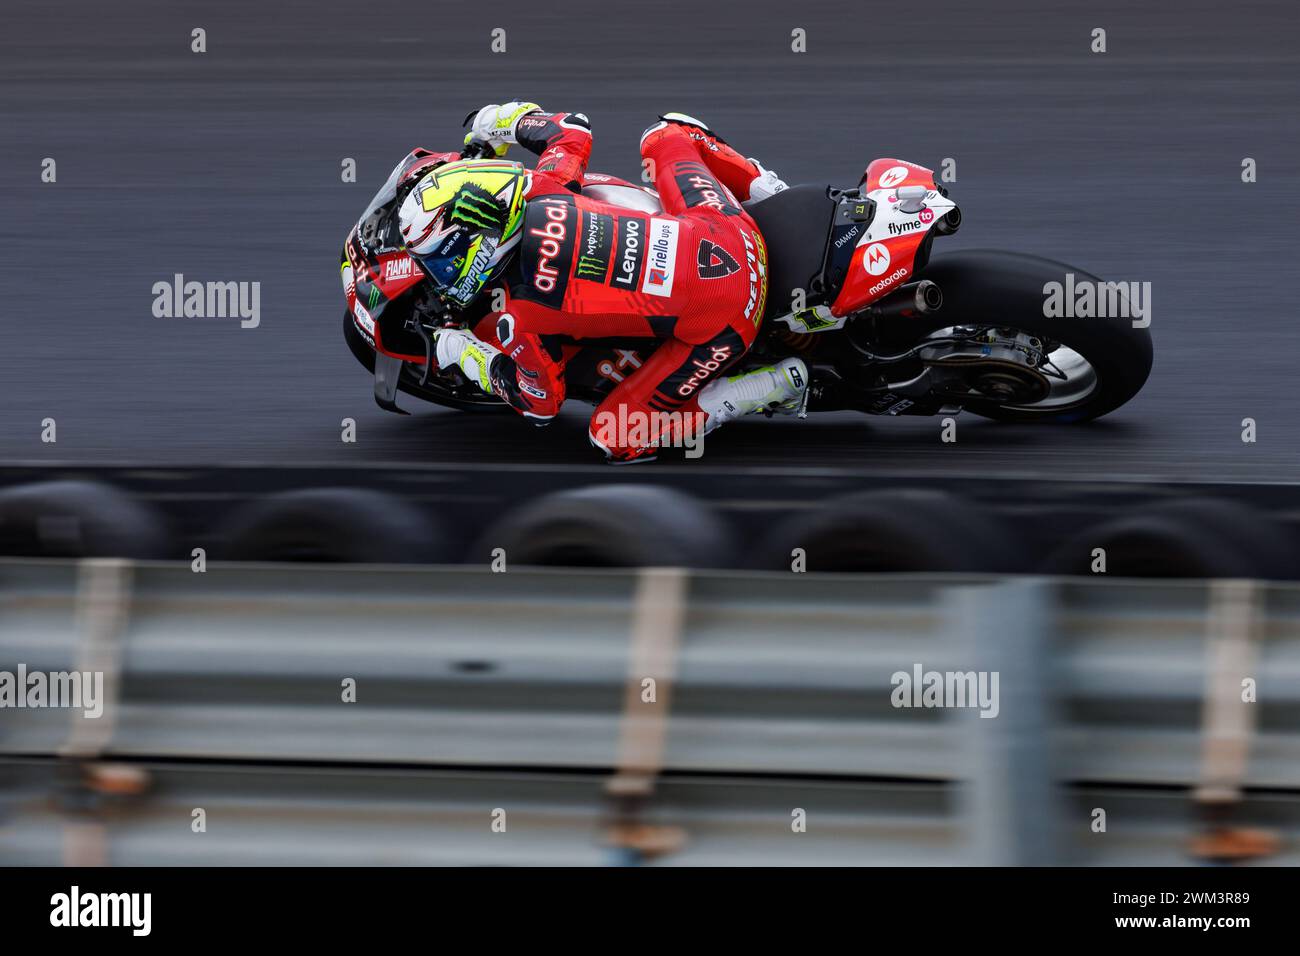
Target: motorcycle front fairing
pixel 377 273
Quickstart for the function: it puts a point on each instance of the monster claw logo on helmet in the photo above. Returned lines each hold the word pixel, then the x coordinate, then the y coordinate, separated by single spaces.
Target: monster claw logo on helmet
pixel 475 207
pixel 461 221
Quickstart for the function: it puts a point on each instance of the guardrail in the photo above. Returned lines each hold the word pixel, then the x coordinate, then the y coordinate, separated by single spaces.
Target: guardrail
pixel 313 816
pixel 1122 685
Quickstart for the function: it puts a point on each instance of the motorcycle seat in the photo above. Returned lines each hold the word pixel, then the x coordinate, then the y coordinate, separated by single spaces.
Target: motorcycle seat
pixel 796 225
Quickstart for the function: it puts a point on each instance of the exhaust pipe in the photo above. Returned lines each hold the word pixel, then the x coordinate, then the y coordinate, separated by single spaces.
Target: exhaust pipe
pixel 907 302
pixel 949 223
pixel 915 298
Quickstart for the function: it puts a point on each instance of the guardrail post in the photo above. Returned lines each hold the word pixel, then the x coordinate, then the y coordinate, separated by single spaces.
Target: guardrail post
pixel 657 618
pixel 103 604
pixel 1229 724
pixel 104 592
pixel 1011 801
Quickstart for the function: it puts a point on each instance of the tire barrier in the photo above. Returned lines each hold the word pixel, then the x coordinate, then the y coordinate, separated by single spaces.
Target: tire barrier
pixel 897 530
pixel 78 519
pixel 1192 538
pixel 611 526
pixel 621 524
pixel 342 525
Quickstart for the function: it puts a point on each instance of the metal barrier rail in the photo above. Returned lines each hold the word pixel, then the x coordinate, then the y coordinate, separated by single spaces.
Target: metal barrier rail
pixel 308 817
pixel 774 673
pixel 759 676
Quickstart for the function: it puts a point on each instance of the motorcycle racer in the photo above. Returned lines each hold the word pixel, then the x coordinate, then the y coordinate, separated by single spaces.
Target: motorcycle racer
pixel 570 267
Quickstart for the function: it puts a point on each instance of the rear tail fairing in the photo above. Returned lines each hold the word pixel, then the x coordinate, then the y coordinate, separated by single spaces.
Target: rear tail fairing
pixel 894 247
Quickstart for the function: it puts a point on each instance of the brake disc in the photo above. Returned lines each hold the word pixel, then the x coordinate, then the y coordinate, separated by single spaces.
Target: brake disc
pixel 1001 364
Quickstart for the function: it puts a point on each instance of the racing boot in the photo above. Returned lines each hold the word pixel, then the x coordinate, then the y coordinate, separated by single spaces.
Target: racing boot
pixel 766 184
pixel 773 389
pixel 475 357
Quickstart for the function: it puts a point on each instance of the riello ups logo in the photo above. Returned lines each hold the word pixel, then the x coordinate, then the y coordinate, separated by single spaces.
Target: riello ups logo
pixel 661 254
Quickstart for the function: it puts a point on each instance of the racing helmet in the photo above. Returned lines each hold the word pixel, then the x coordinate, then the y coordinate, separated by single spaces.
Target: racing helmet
pixel 461 221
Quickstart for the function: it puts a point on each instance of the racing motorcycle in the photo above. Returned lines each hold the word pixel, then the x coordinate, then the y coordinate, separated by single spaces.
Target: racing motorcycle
pixel 884 327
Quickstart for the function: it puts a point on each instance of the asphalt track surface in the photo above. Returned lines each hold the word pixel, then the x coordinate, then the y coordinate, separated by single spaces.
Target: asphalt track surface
pixel 225 166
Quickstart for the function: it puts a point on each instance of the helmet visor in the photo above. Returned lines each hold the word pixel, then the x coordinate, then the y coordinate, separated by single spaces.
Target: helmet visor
pixel 461 266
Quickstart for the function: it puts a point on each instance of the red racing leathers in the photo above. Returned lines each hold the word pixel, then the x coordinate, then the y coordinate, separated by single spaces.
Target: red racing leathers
pixel 695 276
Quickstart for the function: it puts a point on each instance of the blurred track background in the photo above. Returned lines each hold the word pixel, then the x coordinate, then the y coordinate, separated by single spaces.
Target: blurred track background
pixel 225 166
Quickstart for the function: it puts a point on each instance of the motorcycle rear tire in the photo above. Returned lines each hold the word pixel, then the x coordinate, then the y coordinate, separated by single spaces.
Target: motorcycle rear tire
pixel 1006 289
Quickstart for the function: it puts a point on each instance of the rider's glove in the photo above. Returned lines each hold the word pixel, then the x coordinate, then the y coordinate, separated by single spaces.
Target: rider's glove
pixel 458 347
pixel 495 125
pixel 765 184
